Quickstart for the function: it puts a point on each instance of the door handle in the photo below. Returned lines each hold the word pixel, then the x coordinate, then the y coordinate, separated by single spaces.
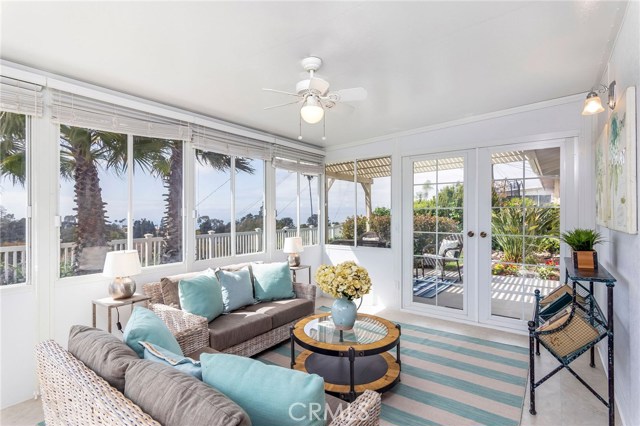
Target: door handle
pixel 483 234
pixel 471 233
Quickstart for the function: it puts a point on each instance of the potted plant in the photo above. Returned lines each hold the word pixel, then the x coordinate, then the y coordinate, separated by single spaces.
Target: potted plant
pixel 582 242
pixel 346 281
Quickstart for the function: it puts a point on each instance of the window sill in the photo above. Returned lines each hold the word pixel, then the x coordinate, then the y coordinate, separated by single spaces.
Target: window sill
pixel 16 288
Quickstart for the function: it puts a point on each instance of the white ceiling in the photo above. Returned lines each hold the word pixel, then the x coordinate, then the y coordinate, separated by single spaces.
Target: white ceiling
pixel 422 62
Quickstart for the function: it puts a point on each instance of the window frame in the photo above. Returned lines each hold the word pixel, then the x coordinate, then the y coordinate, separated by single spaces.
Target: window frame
pixel 130 211
pixel 29 205
pixel 232 211
pixel 317 210
pixel 355 199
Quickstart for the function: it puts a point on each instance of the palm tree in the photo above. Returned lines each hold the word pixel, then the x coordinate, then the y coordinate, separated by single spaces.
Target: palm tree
pixel 12 147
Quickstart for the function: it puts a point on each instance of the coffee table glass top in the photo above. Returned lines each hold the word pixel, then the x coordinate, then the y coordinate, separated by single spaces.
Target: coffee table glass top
pixel 366 330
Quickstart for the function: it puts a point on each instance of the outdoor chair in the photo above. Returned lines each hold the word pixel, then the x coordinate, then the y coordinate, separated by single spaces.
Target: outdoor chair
pixel 449 252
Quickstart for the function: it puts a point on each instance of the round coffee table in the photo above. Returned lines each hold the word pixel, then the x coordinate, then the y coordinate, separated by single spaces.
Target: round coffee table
pixel 350 361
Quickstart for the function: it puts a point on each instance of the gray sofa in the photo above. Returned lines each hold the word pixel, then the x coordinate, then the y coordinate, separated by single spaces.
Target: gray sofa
pixel 100 380
pixel 247 331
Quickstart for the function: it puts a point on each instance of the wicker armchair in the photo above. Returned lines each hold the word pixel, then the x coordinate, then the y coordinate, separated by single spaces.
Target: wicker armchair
pixel 192 332
pixel 73 394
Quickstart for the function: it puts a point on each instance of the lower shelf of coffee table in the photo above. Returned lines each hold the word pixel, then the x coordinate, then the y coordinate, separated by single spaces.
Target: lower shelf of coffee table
pixel 375 372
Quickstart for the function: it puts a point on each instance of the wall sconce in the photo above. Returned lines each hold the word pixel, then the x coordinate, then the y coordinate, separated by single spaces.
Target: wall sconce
pixel 593 104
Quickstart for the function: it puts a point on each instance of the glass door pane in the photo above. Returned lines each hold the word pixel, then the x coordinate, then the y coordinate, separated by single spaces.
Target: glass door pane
pixel 525 228
pixel 438 224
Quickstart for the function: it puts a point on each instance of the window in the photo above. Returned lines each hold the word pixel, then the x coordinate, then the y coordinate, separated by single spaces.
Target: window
pixel 249 207
pixel 359 202
pixel 297 205
pixel 157 202
pixel 309 205
pixel 215 204
pixel 95 213
pixel 14 199
pixel 286 206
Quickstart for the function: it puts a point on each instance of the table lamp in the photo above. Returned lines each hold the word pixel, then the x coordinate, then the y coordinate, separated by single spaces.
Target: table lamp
pixel 293 246
pixel 121 265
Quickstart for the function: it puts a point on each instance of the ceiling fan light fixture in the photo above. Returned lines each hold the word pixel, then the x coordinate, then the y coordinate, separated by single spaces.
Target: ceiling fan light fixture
pixel 311 111
pixel 592 105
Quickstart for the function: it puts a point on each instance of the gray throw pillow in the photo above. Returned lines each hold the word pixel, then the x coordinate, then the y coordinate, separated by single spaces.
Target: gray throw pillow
pixel 102 352
pixel 175 399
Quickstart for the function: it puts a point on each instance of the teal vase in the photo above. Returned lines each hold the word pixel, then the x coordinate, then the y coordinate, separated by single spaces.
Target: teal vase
pixel 343 313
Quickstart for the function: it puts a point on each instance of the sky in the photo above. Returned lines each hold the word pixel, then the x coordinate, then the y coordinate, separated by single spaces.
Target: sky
pixel 213 193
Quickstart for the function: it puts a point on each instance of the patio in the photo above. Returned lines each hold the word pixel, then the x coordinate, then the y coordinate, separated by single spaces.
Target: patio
pixel 511 296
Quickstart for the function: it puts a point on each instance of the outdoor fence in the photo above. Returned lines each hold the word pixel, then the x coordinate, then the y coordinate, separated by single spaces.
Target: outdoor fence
pixel 208 246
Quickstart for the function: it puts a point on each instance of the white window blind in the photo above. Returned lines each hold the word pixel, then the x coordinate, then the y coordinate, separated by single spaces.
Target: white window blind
pixel 75 110
pixel 20 97
pixel 212 140
pixel 297 161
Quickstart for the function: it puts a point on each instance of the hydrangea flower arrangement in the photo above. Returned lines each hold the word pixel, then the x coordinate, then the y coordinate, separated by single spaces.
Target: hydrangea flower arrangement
pixel 346 280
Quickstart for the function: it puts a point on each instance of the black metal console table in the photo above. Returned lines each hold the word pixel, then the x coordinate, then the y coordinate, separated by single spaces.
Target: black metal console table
pixel 589 327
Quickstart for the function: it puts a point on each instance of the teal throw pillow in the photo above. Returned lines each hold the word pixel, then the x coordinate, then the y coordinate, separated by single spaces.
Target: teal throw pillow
pixel 201 295
pixel 556 306
pixel 270 394
pixel 272 281
pixel 237 290
pixel 179 362
pixel 145 326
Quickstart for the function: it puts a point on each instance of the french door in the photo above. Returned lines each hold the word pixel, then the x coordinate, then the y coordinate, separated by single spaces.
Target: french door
pixel 437 193
pixel 481 231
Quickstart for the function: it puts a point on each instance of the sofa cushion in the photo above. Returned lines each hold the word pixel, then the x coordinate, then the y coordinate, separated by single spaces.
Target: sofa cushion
pixel 272 281
pixel 145 326
pixel 237 327
pixel 270 394
pixel 169 286
pixel 237 289
pixel 201 295
pixel 282 312
pixel 102 352
pixel 236 266
pixel 175 399
pixel 180 362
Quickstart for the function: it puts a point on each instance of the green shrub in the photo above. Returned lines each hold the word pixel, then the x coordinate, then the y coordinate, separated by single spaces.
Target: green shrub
pixel 507 228
pixel 347 227
pixel 382 225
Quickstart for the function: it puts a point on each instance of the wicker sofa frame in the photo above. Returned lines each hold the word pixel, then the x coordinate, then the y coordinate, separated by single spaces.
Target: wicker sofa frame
pixel 192 331
pixel 73 394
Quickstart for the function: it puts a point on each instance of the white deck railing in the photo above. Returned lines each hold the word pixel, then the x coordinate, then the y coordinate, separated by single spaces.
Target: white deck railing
pixel 208 246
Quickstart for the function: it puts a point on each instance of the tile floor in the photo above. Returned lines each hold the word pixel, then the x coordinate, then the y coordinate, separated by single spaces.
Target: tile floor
pixel 560 401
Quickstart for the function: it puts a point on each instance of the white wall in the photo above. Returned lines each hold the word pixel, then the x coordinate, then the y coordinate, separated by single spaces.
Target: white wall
pixel 621 253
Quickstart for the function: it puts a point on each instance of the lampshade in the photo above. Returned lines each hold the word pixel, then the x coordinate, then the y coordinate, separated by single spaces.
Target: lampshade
pixel 592 105
pixel 312 111
pixel 293 245
pixel 123 263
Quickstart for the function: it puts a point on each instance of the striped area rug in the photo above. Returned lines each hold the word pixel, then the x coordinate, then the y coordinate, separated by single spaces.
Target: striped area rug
pixel 448 379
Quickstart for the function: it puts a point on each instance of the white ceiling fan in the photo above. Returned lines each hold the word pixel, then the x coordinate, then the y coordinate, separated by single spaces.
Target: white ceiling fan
pixel 314 95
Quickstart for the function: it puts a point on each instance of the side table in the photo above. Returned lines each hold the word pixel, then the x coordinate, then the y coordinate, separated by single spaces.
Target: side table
pixel 110 303
pixel 294 269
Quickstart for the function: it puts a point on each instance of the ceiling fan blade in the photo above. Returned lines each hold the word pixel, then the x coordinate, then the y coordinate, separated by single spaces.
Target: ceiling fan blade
pixel 351 95
pixel 281 105
pixel 341 109
pixel 281 92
